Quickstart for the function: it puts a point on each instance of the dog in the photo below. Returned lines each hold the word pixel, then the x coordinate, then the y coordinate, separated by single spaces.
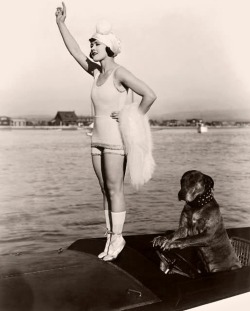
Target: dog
pixel 201 225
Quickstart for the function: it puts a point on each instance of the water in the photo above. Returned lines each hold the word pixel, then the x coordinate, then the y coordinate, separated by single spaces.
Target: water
pixel 49 195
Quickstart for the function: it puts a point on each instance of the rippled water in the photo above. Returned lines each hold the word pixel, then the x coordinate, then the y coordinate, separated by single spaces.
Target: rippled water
pixel 49 195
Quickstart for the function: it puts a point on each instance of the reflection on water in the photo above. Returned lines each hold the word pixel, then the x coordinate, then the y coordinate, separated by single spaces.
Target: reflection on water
pixel 50 195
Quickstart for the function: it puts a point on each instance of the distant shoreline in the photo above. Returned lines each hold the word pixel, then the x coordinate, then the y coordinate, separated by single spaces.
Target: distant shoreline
pixel 75 128
pixel 195 128
pixel 45 127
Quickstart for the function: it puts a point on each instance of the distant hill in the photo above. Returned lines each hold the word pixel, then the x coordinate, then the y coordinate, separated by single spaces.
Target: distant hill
pixel 210 115
pixel 35 117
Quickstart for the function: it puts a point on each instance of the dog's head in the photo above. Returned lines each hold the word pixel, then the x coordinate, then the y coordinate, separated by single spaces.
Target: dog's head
pixel 193 184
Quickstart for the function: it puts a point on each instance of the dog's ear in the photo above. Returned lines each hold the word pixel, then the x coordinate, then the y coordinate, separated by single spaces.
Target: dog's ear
pixel 208 181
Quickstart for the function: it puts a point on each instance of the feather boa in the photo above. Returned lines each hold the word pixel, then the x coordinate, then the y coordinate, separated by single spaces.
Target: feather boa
pixel 137 138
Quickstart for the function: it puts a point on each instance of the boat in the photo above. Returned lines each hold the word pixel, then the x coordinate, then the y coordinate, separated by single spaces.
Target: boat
pixel 90 129
pixel 202 128
pixel 75 279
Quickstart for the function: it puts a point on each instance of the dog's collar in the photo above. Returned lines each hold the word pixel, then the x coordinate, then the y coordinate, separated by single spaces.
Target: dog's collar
pixel 202 199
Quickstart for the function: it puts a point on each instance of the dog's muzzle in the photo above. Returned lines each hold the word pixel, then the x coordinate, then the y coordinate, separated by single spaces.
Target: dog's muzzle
pixel 181 195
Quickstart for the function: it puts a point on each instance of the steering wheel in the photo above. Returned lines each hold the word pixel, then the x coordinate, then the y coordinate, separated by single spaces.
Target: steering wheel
pixel 174 263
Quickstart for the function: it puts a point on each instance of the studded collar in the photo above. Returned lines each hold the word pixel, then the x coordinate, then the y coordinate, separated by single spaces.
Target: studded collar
pixel 202 199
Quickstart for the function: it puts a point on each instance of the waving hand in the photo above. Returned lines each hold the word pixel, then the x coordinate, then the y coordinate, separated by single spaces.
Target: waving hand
pixel 61 13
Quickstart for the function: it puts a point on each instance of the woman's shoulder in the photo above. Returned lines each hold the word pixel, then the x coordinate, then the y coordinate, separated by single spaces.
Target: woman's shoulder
pixel 121 69
pixel 121 72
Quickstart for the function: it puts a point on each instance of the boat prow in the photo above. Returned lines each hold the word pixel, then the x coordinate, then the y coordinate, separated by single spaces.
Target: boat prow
pixel 202 128
pixel 90 129
pixel 75 279
pixel 69 280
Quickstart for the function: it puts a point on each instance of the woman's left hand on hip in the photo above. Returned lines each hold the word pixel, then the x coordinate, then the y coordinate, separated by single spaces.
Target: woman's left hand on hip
pixel 115 115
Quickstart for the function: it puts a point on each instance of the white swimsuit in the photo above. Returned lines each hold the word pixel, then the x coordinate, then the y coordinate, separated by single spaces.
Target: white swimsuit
pixel 106 99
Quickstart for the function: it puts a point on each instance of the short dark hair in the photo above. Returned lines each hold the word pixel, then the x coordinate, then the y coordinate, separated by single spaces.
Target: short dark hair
pixel 109 52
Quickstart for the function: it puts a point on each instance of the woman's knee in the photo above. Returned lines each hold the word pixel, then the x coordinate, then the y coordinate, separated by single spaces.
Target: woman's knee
pixel 114 189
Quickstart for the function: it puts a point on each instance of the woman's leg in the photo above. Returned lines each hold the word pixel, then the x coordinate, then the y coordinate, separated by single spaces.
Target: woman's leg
pixel 114 167
pixel 114 172
pixel 97 160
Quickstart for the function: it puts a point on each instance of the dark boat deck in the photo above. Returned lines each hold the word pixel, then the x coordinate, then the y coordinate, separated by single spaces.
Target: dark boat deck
pixel 176 292
pixel 75 279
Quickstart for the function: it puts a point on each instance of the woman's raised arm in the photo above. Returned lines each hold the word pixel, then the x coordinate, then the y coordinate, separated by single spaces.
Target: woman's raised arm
pixel 71 43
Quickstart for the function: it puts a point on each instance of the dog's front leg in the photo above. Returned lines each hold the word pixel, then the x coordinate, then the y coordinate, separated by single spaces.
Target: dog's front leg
pixel 181 232
pixel 164 240
pixel 200 240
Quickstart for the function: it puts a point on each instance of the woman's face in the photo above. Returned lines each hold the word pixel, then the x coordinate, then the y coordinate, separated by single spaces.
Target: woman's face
pixel 98 50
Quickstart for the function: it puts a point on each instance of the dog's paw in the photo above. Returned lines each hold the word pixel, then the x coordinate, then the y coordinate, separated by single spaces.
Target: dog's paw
pixel 157 241
pixel 160 241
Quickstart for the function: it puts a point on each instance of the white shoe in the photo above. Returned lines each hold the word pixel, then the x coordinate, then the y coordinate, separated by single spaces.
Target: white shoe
pixel 116 245
pixel 105 252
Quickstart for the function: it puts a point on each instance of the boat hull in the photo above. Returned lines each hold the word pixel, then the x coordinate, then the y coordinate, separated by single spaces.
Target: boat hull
pixel 202 129
pixel 75 279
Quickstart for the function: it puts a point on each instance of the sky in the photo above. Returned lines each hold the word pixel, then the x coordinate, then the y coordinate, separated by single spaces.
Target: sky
pixel 195 54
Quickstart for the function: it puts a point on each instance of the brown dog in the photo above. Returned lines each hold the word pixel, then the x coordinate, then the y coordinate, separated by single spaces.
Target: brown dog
pixel 201 225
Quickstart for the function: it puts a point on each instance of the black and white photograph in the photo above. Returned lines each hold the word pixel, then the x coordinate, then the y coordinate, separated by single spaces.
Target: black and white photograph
pixel 125 155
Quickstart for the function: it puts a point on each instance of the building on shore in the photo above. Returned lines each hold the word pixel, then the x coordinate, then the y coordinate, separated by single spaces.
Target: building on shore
pixel 14 122
pixel 69 118
pixel 18 122
pixel 194 122
pixel 64 118
pixel 5 121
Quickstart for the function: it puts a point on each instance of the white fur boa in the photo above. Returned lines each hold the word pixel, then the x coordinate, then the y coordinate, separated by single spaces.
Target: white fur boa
pixel 137 138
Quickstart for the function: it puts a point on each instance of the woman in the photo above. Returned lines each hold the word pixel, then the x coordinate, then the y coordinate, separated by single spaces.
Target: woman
pixel 109 95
